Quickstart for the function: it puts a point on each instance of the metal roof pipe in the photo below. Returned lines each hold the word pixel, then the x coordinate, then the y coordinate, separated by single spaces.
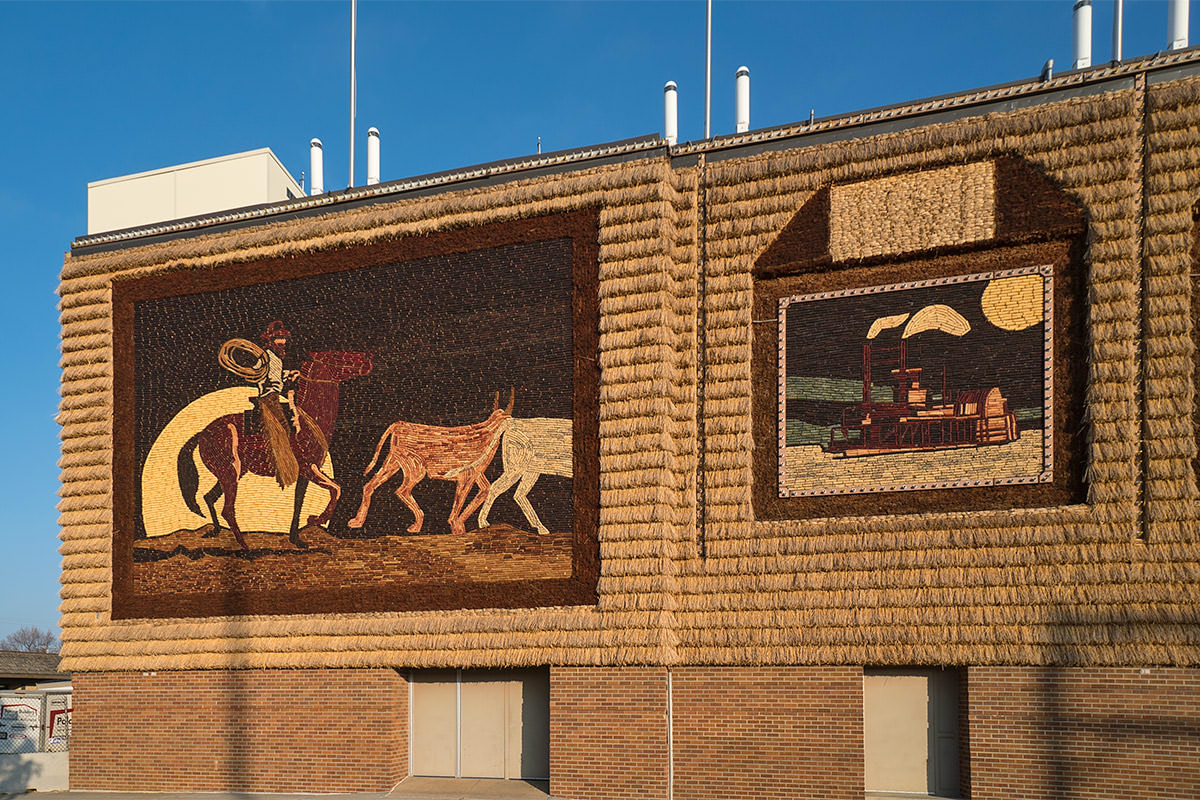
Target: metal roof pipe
pixel 316 167
pixel 671 113
pixel 1083 34
pixel 372 156
pixel 1177 24
pixel 1118 29
pixel 743 99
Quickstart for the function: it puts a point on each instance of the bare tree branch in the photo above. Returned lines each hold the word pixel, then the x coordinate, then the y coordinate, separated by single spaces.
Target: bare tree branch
pixel 31 640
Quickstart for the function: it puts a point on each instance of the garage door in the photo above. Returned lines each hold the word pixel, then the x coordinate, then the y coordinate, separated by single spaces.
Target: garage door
pixel 481 723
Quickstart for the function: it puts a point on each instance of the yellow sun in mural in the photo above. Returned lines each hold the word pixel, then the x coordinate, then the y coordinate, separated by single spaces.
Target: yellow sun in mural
pixel 261 504
pixel 1014 303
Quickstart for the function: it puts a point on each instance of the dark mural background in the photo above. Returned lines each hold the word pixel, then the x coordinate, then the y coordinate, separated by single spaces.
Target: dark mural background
pixel 446 333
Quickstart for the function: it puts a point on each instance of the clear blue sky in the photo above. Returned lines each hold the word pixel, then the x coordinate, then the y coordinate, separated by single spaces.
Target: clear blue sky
pixel 100 89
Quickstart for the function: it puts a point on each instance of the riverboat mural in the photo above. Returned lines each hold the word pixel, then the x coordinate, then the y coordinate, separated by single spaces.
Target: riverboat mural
pixel 920 385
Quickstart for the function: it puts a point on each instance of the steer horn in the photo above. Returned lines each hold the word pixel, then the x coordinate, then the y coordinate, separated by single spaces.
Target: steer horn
pixel 512 395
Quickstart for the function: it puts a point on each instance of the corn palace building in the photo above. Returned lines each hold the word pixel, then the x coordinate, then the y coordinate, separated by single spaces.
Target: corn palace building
pixel 851 456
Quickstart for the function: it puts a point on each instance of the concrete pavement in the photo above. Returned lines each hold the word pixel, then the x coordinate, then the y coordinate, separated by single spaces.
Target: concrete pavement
pixel 412 788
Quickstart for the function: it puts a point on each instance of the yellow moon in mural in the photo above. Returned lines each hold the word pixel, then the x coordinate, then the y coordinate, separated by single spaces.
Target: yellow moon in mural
pixel 261 505
pixel 1014 303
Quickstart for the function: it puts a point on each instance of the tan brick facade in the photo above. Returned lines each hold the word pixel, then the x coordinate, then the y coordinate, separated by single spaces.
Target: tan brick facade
pixel 752 733
pixel 247 730
pixel 783 733
pixel 608 733
pixel 1085 733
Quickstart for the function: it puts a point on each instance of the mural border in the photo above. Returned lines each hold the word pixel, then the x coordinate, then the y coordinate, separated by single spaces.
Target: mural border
pixel 1044 475
pixel 582 227
pixel 1066 486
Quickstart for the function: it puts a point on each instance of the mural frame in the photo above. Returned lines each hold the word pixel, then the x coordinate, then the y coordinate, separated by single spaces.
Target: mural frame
pixel 580 227
pixel 1065 257
pixel 1043 273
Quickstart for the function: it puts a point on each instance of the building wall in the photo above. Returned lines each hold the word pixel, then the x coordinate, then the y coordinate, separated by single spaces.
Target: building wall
pixel 608 733
pixel 322 730
pixel 1053 604
pixel 691 573
pixel 775 733
pixel 1085 733
pixel 34 772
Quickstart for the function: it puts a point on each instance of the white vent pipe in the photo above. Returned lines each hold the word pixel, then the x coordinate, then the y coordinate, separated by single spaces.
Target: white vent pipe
pixel 671 113
pixel 372 156
pixel 1177 24
pixel 743 99
pixel 316 166
pixel 1083 34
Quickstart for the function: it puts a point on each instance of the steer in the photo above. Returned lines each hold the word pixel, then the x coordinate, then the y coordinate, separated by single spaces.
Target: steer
pixel 459 454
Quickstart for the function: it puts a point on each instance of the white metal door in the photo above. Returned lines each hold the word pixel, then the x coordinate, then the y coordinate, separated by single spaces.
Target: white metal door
pixel 896 732
pixel 910 731
pixel 433 698
pixel 481 723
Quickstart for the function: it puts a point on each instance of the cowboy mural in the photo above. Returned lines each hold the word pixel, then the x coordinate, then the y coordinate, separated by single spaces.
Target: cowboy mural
pixel 278 415
pixel 277 403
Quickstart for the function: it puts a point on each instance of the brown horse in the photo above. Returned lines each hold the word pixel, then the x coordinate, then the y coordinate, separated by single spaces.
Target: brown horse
pixel 229 452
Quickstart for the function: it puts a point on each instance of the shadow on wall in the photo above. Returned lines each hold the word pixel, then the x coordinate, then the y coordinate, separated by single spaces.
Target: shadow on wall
pixel 1100 732
pixel 238 751
pixel 17 774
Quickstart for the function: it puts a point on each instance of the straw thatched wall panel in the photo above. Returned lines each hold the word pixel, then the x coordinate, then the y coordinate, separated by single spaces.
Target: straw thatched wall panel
pixel 989 567
pixel 647 288
pixel 1172 170
pixel 680 583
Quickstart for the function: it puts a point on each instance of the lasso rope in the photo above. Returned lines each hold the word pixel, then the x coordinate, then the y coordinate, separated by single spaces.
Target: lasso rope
pixel 227 358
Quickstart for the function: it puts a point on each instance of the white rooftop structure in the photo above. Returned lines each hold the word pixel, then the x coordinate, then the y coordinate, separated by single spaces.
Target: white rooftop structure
pixel 187 190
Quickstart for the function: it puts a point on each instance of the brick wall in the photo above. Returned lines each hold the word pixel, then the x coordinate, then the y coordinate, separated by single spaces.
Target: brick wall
pixel 245 730
pixel 608 733
pixel 768 732
pixel 1093 733
pixel 964 733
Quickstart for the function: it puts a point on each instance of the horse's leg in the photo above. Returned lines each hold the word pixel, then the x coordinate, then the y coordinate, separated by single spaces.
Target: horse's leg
pixel 210 499
pixel 229 482
pixel 414 472
pixel 521 495
pixel 502 484
pixel 297 505
pixel 484 486
pixel 328 484
pixel 386 470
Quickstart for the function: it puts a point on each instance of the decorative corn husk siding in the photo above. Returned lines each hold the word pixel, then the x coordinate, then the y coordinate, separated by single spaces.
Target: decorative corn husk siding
pixel 647 443
pixel 1074 584
pixel 1172 171
pixel 687 575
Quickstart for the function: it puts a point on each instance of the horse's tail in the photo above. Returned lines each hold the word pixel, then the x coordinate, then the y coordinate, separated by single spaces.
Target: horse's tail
pixel 387 435
pixel 189 478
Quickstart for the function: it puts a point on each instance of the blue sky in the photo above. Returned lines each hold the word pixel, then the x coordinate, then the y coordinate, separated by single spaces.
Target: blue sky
pixel 93 90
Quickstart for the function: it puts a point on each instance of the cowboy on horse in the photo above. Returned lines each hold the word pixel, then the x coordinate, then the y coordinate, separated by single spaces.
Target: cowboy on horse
pixel 277 403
